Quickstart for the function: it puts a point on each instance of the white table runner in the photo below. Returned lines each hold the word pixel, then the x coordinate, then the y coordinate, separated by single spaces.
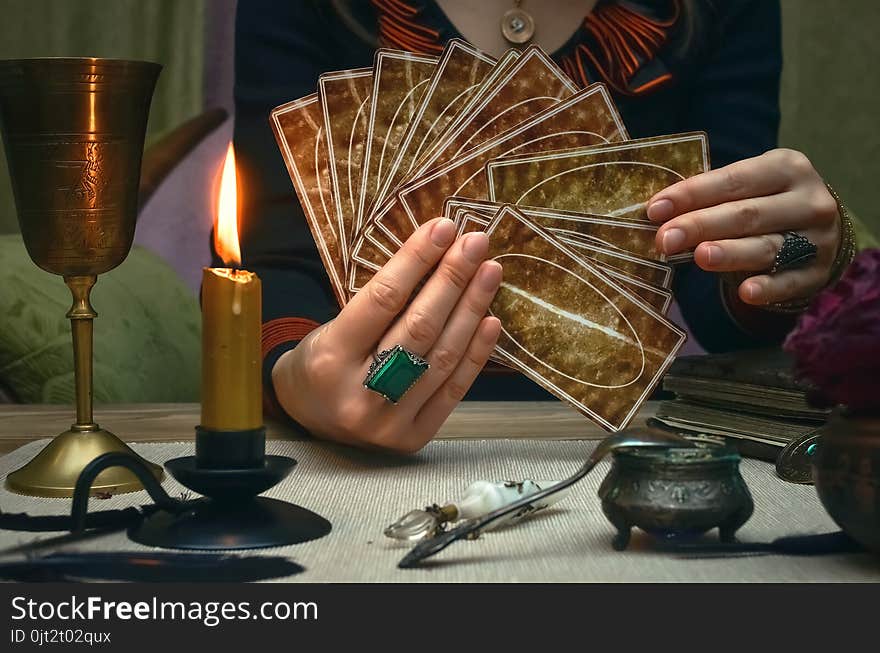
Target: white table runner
pixel 360 493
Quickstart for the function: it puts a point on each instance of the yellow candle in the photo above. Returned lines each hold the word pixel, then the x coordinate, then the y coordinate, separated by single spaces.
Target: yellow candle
pixel 231 357
pixel 232 382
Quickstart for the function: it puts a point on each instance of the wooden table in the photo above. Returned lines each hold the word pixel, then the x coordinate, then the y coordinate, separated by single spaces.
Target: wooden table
pixel 20 424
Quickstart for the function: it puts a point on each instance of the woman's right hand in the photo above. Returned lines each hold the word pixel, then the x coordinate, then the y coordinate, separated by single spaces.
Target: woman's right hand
pixel 320 383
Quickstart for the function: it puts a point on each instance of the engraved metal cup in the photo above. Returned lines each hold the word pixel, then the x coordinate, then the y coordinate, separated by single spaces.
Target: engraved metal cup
pixel 74 131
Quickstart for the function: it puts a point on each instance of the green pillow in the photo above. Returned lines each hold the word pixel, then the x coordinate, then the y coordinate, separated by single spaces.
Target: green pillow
pixel 147 333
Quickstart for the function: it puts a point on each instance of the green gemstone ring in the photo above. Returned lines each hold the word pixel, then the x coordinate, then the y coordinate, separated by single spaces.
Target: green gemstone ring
pixel 394 371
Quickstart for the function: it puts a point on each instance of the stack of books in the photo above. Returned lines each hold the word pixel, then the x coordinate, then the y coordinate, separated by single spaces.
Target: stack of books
pixel 749 398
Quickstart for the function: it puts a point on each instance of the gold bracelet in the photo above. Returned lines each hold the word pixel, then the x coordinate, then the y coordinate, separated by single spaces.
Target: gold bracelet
pixel 846 252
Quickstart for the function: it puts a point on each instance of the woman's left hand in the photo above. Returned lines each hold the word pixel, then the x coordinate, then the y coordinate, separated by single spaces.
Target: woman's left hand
pixel 734 218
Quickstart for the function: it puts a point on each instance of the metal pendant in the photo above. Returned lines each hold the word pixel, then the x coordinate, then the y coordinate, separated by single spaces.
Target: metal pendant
pixel 517 26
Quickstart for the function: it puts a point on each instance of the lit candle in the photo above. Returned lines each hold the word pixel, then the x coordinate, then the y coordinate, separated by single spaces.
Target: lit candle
pixel 231 321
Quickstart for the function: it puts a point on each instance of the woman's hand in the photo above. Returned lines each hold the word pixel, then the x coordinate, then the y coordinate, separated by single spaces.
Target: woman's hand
pixel 734 218
pixel 320 383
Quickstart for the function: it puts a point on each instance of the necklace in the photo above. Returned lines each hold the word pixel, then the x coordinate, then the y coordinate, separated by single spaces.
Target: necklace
pixel 517 25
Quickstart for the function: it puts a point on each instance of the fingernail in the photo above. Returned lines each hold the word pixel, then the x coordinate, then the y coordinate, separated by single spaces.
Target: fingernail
pixel 660 210
pixel 492 328
pixel 752 292
pixel 714 255
pixel 443 232
pixel 475 246
pixel 490 276
pixel 673 239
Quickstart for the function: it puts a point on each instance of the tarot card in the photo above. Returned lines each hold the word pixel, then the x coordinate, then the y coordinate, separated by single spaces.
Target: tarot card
pixel 533 84
pixel 634 237
pixel 614 180
pixel 378 243
pixel 390 217
pixel 591 112
pixel 400 79
pixel 361 275
pixel 371 251
pixel 468 221
pixel 571 328
pixel 345 99
pixel 656 274
pixel 586 118
pixel 649 271
pixel 491 82
pixel 380 240
pixel 458 74
pixel 657 298
pixel 393 220
pixel 299 130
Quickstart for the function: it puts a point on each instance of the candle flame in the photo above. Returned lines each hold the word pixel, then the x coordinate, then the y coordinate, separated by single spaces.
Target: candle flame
pixel 226 227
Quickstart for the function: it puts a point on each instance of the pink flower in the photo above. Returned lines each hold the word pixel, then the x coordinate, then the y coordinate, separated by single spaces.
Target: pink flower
pixel 836 344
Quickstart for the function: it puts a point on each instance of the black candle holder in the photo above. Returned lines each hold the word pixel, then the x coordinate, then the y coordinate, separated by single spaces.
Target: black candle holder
pixel 230 469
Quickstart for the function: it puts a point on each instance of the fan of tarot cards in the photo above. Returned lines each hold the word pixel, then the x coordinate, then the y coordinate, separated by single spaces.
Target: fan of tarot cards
pixel 514 148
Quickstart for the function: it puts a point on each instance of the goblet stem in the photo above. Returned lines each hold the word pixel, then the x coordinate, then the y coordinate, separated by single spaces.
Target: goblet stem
pixel 81 315
pixel 55 471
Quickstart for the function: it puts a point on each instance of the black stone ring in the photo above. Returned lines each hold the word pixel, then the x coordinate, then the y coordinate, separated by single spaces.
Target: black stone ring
pixel 394 371
pixel 796 252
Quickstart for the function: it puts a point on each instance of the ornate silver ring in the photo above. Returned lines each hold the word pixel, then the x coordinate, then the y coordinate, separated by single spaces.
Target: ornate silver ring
pixel 394 371
pixel 797 251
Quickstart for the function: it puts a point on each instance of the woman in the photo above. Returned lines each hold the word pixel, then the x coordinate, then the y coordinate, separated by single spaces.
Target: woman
pixel 672 65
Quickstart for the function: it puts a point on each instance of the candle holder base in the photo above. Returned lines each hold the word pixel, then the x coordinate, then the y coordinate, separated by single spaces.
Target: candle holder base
pixel 231 517
pixel 211 525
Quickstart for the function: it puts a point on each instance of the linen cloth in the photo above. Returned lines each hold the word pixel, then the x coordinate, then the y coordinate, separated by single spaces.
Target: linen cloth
pixel 360 493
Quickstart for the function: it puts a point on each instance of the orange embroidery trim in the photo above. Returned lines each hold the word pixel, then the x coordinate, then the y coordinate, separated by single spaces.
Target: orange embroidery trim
pixel 284 329
pixel 397 29
pixel 625 40
pixel 621 39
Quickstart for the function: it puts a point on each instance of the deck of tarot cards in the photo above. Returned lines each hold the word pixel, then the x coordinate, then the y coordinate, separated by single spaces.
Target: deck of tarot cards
pixel 751 398
pixel 514 148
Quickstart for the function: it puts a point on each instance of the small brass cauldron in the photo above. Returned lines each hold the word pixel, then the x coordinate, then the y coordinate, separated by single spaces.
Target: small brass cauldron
pixel 676 492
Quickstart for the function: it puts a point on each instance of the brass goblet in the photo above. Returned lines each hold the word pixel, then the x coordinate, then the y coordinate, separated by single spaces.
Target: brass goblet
pixel 74 136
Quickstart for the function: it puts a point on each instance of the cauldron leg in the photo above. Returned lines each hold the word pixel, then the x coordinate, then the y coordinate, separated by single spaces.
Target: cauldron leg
pixel 621 540
pixel 727 529
pixel 619 520
pixel 727 534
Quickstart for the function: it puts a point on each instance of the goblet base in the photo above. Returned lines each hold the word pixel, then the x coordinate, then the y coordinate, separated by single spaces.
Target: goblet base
pixel 53 472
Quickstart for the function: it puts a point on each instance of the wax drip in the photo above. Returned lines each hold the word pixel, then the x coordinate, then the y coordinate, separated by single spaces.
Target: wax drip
pixel 236 297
